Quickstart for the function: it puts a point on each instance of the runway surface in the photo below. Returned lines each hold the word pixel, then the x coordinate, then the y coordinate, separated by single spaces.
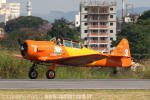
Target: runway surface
pixel 73 84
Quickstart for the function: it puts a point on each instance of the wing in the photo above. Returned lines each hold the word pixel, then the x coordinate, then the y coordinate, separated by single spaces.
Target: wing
pixel 74 60
pixel 79 60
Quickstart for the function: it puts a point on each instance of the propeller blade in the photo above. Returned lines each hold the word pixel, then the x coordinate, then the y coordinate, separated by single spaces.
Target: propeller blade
pixel 19 42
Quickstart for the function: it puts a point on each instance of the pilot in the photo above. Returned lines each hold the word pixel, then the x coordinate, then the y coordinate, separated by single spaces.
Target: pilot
pixel 81 45
pixel 62 42
pixel 58 42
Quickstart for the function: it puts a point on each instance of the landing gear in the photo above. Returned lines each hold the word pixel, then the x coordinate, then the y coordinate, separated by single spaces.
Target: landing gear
pixel 33 74
pixel 50 74
pixel 115 71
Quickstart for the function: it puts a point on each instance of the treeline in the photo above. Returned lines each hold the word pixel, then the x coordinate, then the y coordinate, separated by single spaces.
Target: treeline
pixel 139 37
pixel 36 28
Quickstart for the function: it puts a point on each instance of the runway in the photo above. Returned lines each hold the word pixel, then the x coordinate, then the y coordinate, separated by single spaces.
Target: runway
pixel 74 84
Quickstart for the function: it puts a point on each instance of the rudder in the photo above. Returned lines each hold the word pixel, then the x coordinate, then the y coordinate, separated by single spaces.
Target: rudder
pixel 122 49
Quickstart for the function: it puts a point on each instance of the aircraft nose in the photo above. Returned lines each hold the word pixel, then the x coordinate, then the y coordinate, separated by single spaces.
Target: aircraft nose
pixel 24 49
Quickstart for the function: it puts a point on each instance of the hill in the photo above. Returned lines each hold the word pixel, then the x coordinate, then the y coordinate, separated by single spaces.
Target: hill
pixel 52 15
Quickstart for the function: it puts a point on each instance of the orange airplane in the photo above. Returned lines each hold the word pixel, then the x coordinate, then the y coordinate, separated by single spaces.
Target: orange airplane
pixel 70 53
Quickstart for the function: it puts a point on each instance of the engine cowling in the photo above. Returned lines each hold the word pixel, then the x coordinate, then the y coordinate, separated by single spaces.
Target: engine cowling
pixel 24 49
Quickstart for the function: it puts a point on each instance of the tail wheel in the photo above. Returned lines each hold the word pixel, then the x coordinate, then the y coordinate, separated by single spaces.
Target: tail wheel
pixel 115 71
pixel 33 74
pixel 50 74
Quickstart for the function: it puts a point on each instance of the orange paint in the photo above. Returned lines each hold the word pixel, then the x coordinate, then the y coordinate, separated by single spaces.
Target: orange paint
pixel 50 52
pixel 52 67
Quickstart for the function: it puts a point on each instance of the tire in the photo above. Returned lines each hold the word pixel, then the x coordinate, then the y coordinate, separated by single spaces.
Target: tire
pixel 50 74
pixel 115 71
pixel 33 74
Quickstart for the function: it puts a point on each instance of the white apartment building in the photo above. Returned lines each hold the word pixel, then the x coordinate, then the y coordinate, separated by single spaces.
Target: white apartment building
pixel 98 25
pixel 77 20
pixel 2 1
pixel 9 11
pixel 131 18
pixel 1 32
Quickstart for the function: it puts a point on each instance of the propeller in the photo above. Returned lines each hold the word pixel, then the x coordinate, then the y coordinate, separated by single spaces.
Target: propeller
pixel 23 47
pixel 19 42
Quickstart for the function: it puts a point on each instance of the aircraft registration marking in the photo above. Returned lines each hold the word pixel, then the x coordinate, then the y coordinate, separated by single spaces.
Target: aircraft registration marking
pixel 126 52
pixel 35 47
pixel 57 50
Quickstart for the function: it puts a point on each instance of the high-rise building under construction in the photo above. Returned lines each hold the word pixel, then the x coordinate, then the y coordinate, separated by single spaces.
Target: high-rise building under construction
pixel 98 25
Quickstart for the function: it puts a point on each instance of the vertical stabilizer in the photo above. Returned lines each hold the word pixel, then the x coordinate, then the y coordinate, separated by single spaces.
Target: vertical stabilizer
pixel 122 49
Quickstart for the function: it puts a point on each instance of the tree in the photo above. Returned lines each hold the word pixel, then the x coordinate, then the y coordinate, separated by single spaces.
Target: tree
pixel 11 39
pixel 138 35
pixel 24 22
pixel 62 28
pixel 145 15
pixel 24 28
pixel 139 40
pixel 2 25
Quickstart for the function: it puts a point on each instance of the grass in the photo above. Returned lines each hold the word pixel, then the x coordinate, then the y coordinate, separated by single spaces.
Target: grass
pixel 16 68
pixel 74 94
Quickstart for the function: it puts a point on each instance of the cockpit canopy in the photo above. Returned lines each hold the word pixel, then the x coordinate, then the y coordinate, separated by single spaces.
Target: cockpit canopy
pixel 67 43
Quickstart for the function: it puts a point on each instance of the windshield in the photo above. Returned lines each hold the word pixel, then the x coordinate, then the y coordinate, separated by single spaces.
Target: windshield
pixel 76 45
pixel 68 43
pixel 52 39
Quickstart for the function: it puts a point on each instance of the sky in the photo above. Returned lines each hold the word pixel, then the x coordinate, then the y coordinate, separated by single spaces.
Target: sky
pixel 45 6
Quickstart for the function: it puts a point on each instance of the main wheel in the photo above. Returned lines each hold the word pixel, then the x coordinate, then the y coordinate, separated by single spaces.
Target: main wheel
pixel 50 74
pixel 33 74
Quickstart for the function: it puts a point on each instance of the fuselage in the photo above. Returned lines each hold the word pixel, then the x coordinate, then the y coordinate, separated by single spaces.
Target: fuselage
pixel 44 51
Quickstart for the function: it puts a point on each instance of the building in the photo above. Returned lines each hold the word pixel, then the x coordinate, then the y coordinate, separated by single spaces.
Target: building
pixel 1 32
pixel 98 25
pixel 9 11
pixel 127 19
pixel 77 20
pixel 131 18
pixel 29 8
pixel 2 1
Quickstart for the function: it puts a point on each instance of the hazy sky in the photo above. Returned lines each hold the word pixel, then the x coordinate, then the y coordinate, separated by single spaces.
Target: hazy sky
pixel 45 6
